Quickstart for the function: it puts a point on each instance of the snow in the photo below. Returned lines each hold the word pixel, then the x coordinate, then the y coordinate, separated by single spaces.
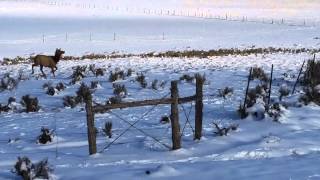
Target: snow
pixel 256 145
pixel 258 149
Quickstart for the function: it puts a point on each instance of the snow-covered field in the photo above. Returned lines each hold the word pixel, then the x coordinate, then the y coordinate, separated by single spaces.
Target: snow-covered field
pixel 258 149
pixel 262 149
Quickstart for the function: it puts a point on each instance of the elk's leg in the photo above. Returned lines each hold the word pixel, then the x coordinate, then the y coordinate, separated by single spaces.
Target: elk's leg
pixel 32 68
pixel 52 70
pixel 41 69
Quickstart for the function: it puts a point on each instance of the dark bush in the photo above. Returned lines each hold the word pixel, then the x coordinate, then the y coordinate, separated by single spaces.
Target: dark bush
pixel 117 75
pixel 224 130
pixel 31 104
pixel 51 91
pixel 71 101
pixel 29 171
pixel 225 92
pixel 94 84
pixel 120 90
pixel 129 72
pixel 60 86
pixel 23 168
pixel 141 79
pixel 165 120
pixel 114 100
pixel 108 129
pixel 99 72
pixel 78 74
pixel 46 136
pixel 258 73
pixel 311 83
pixel 8 83
pixel 187 78
pixel 154 84
pixel 83 92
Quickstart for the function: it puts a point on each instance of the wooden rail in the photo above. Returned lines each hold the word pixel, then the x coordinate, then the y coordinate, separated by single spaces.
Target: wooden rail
pixel 104 108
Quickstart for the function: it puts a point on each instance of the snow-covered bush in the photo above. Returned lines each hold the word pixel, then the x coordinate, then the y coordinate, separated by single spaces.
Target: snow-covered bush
pixel 8 83
pixel 83 92
pixel 141 79
pixel 154 84
pixel 30 103
pixel 117 75
pixel 283 91
pixel 29 171
pixel 120 90
pixel 108 129
pixel 258 73
pixel 187 78
pixel 60 86
pixel 11 105
pixel 78 74
pixel 96 71
pixel 311 83
pixel 225 92
pixel 70 101
pixel 165 120
pixel 129 72
pixel 99 72
pixel 224 129
pixel 46 136
pixel 23 168
pixel 94 84
pixel 114 100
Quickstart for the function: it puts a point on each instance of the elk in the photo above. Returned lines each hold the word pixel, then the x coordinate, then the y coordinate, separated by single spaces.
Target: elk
pixel 48 61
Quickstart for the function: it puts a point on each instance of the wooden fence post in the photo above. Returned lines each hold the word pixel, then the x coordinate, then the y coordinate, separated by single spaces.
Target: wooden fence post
pixel 175 126
pixel 199 107
pixel 90 125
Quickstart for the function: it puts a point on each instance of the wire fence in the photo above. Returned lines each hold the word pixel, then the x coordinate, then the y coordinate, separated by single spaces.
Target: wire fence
pixel 203 13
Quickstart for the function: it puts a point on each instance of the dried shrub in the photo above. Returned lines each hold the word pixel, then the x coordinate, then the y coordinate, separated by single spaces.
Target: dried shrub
pixel 114 100
pixel 47 85
pixel 8 83
pixel 224 130
pixel 31 104
pixel 154 84
pixel 51 91
pixel 227 91
pixel 129 72
pixel 70 101
pixel 45 136
pixel 141 79
pixel 29 171
pixel 275 111
pixel 78 74
pixel 162 84
pixel 94 84
pixel 258 73
pixel 92 68
pixel 108 129
pixel 4 108
pixel 96 71
pixel 117 75
pixel 187 78
pixel 99 72
pixel 60 86
pixel 23 168
pixel 83 92
pixel 120 90
pixel 311 83
pixel 283 91
pixel 165 120
pixel 82 95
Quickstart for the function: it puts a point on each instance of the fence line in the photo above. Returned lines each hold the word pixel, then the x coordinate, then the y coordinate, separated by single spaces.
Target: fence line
pixel 186 12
